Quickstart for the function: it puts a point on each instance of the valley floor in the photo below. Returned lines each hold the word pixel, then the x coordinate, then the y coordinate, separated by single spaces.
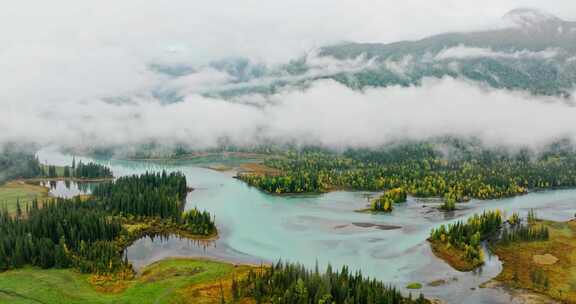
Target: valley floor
pixel 19 190
pixel 166 281
pixel 547 267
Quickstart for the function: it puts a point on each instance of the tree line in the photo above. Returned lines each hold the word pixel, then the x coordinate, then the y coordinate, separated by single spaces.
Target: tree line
pixel 198 222
pixel 490 225
pixel 294 284
pixel 89 170
pixel 453 170
pixel 467 236
pixel 386 200
pixel 147 195
pixel 88 235
pixel 518 230
pixel 159 195
pixel 61 233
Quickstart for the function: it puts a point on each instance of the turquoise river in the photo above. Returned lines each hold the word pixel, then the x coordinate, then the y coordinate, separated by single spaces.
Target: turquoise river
pixel 256 227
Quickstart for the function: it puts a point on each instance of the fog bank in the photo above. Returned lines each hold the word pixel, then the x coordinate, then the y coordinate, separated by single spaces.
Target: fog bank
pixel 81 74
pixel 326 113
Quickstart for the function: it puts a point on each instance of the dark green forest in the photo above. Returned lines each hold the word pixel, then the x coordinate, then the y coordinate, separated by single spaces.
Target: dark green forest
pixel 81 170
pixel 289 283
pixel 61 233
pixel 153 195
pixel 89 170
pixel 89 235
pixel 149 194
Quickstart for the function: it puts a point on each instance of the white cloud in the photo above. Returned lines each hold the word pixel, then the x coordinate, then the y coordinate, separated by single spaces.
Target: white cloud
pixel 62 62
pixel 317 67
pixel 48 74
pixel 466 52
pixel 336 116
pixel 207 79
pixel 267 30
pixel 400 67
pixel 327 113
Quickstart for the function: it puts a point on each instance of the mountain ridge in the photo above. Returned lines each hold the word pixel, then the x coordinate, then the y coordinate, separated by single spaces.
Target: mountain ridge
pixel 534 52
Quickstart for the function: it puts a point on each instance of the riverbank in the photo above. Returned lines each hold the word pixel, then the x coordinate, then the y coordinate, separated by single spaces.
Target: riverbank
pixel 534 270
pixel 519 295
pixel 136 229
pixel 545 267
pixel 66 173
pixel 452 256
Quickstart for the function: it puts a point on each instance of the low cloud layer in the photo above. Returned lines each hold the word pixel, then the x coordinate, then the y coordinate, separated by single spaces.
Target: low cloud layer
pixel 466 52
pixel 78 75
pixel 326 113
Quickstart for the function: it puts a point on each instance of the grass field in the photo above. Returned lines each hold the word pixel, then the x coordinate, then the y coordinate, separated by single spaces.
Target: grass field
pixel 167 281
pixel 13 191
pixel 547 267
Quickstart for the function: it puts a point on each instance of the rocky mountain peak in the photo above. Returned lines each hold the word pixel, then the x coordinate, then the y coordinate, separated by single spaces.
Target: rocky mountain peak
pixel 530 17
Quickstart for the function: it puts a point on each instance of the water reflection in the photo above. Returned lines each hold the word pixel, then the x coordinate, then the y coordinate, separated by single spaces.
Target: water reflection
pixel 153 248
pixel 67 188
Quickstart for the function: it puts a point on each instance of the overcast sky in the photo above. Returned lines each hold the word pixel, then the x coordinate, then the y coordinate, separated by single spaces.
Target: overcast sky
pixel 60 59
pixel 268 29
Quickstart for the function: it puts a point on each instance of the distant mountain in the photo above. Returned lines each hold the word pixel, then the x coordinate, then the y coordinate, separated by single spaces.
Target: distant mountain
pixel 532 51
pixel 535 52
pixel 527 29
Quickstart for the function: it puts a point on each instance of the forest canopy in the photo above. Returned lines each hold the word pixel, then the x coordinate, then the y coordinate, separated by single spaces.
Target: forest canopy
pixel 293 283
pixel 90 235
pixel 452 169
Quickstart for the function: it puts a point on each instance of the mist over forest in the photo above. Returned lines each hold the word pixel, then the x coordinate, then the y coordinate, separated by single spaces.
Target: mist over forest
pixel 506 79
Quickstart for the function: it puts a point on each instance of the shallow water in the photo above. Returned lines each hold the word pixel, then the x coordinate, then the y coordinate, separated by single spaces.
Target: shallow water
pixel 67 189
pixel 256 227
